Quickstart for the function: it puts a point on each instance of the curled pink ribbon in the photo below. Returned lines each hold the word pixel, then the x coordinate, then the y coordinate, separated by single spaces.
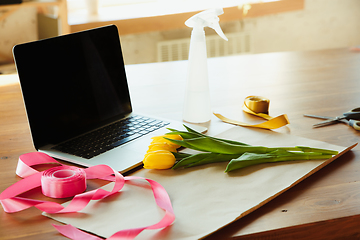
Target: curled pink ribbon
pixel 32 179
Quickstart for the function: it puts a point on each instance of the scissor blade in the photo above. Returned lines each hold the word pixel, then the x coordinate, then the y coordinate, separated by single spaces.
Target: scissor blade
pixel 325 123
pixel 316 116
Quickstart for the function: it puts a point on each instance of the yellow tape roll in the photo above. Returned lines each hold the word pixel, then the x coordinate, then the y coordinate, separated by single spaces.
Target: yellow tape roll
pixel 258 106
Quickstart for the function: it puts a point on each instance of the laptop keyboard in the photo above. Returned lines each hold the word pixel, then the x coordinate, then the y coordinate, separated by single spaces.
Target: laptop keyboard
pixel 111 136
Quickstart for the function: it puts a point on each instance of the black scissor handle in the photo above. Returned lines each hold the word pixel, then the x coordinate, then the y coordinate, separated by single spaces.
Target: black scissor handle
pixel 353 114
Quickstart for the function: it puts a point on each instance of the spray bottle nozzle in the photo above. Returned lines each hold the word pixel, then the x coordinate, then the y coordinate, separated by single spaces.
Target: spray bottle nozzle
pixel 207 18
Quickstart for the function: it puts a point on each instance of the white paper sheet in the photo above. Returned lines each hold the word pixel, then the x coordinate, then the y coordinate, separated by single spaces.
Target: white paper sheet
pixel 204 198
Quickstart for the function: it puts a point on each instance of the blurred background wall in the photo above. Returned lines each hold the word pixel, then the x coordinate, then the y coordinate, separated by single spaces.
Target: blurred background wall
pixel 320 24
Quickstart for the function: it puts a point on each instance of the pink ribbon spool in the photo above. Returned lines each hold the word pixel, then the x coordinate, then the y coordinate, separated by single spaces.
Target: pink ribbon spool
pixel 63 181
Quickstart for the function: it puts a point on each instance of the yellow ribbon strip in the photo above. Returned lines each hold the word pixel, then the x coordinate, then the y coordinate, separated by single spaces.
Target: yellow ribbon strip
pixel 258 106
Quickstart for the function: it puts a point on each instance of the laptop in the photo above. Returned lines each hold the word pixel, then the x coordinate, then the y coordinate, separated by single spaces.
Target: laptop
pixel 78 104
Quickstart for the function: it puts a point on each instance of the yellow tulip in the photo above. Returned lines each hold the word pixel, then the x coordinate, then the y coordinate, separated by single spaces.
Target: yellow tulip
pixel 161 146
pixel 162 139
pixel 160 159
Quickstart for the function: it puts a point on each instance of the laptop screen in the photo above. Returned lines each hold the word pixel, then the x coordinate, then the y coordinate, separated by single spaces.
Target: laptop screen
pixel 72 83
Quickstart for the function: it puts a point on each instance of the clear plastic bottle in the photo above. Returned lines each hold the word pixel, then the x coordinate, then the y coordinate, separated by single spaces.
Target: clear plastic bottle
pixel 197 104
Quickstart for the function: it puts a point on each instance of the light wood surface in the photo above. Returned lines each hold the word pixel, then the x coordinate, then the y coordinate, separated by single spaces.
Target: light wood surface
pixel 324 206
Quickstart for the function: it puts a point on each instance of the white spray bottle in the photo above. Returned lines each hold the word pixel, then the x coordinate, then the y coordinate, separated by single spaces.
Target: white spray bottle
pixel 197 107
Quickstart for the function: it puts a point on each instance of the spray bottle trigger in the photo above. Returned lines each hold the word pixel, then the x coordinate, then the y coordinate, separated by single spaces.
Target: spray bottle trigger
pixel 218 30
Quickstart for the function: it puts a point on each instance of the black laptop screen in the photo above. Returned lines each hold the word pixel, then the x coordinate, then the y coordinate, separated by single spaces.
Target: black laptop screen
pixel 72 83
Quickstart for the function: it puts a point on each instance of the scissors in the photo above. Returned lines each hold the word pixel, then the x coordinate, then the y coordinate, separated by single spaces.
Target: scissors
pixel 352 116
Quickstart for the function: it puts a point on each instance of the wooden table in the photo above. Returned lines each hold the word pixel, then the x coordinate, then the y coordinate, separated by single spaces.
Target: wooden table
pixel 324 206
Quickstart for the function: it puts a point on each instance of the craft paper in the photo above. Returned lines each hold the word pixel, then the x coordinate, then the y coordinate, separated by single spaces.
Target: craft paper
pixel 204 198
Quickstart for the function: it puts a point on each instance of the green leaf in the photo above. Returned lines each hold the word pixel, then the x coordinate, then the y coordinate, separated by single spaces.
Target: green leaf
pixel 212 145
pixel 248 159
pixel 219 139
pixel 182 143
pixel 214 158
pixel 190 159
pixel 179 155
pixel 318 150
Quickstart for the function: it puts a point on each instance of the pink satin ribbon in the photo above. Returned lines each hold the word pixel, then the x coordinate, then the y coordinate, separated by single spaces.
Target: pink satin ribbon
pixel 32 179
